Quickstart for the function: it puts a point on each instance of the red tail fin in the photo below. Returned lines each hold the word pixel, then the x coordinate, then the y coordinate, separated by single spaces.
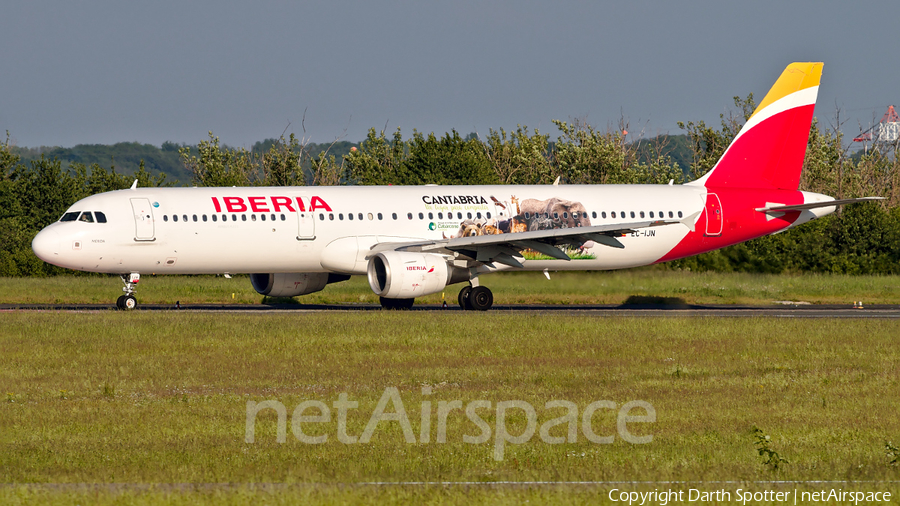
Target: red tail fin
pixel 768 151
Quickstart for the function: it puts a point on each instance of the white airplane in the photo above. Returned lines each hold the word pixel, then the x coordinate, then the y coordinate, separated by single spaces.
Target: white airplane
pixel 416 240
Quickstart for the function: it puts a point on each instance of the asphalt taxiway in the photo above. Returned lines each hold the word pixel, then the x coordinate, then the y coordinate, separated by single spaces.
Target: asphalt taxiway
pixel 601 310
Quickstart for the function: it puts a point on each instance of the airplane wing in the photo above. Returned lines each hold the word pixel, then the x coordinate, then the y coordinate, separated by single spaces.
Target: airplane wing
pixel 503 248
pixel 778 208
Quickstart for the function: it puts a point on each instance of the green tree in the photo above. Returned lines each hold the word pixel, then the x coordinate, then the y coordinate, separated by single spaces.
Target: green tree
pixel 519 157
pixel 448 160
pixel 219 166
pixel 378 161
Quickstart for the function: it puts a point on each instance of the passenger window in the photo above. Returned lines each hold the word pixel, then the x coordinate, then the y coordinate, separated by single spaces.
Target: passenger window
pixel 243 217
pixel 613 214
pixel 214 217
pixel 469 215
pixel 174 217
pixel 262 217
pixel 282 217
pixel 566 216
pixel 252 217
pixel 341 216
pixel 478 215
pixel 350 216
pixel 379 216
pixel 101 218
pixel 371 217
pixel 195 218
pixel 185 217
pixel 651 214
pixel 642 214
pixel 233 217
pixel 86 217
pixel 331 216
pixel 394 215
pixel 488 215
pixel 360 216
pixel 70 216
pixel 527 217
pixel 430 216
pixel 224 217
pixel 679 214
pixel 603 215
pixel 409 215
pixel 555 216
pixel 440 216
pixel 165 217
pixel 204 218
pixel 421 216
pixel 273 216
pixel 321 217
pixel 670 214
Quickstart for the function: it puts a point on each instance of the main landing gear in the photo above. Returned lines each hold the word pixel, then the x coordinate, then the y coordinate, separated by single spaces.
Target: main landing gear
pixel 477 298
pixel 128 301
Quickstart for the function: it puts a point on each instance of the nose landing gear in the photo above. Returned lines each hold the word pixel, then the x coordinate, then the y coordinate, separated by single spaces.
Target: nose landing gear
pixel 128 301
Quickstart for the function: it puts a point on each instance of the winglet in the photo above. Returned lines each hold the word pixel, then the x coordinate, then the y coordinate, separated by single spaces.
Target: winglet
pixel 690 221
pixel 134 185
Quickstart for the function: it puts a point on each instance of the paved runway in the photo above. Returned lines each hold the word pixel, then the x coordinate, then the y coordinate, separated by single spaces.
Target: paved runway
pixel 601 310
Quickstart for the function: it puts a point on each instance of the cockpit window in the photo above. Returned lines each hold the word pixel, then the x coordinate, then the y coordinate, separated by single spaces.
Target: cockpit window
pixel 101 218
pixel 72 216
pixel 86 217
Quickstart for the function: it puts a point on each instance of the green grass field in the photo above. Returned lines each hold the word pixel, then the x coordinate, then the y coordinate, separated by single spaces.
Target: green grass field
pixel 613 287
pixel 158 402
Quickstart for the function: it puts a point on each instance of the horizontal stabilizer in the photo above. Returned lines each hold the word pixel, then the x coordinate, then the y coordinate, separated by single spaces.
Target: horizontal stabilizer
pixel 778 208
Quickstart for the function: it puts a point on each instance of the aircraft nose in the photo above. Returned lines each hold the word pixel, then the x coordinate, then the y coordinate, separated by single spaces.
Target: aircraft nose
pixel 46 245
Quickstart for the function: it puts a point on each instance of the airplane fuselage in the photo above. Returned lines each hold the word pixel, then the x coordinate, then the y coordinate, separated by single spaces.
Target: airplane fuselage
pixel 332 229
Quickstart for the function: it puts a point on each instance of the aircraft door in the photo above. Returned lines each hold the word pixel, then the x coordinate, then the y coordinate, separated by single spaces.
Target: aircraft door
pixel 714 218
pixel 306 225
pixel 144 229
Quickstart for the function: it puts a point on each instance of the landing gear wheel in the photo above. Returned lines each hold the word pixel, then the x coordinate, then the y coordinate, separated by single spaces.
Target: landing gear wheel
pixel 481 298
pixel 463 298
pixel 396 304
pixel 126 302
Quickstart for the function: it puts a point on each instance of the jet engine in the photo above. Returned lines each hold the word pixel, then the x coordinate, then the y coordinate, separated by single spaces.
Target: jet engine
pixel 289 284
pixel 406 275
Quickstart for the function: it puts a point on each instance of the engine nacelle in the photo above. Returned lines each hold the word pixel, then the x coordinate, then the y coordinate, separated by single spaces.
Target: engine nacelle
pixel 289 284
pixel 406 275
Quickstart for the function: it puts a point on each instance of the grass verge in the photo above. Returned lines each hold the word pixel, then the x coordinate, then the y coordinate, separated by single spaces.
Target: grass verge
pixel 162 398
pixel 613 287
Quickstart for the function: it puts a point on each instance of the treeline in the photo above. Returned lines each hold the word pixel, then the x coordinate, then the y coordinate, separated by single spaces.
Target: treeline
pixel 862 239
pixel 127 157
pixel 580 154
pixel 35 194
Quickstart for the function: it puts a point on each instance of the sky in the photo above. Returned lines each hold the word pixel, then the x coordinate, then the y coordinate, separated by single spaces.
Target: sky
pixel 101 72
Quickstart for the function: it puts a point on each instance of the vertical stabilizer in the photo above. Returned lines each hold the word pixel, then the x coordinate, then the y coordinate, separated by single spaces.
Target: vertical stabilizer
pixel 768 151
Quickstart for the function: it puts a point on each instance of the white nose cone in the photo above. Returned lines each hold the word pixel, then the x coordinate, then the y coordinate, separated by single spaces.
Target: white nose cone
pixel 46 246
